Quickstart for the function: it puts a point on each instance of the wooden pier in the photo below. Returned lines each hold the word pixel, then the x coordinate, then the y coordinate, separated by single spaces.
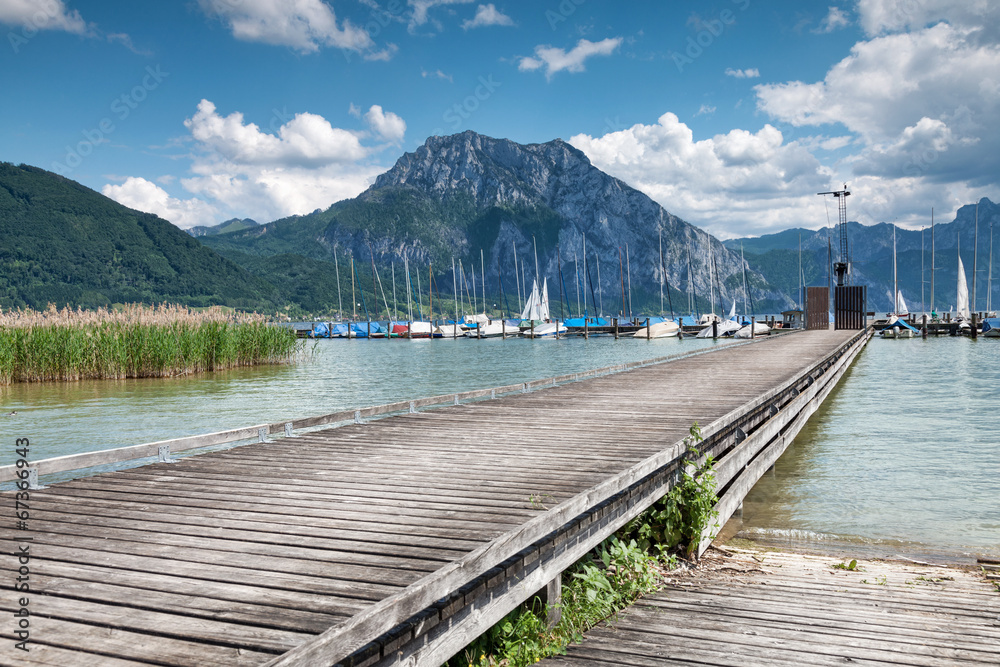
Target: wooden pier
pixel 396 540
pixel 747 609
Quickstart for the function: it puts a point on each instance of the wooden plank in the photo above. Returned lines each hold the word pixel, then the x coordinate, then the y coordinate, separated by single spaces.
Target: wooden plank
pixel 127 645
pixel 734 609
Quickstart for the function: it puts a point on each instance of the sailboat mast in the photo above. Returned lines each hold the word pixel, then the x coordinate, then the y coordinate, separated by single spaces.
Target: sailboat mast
pixel 395 310
pixel 692 297
pixel 409 290
pixel 932 259
pixel 989 274
pixel 576 271
pixel 517 277
pixel 923 306
pixel 475 296
pixel 800 270
pixel 354 299
pixel 711 280
pixel 454 289
pixel 661 272
pixel 895 283
pixel 482 272
pixel 562 312
pixel 535 246
pixel 430 293
pixel 628 273
pixel 744 265
pixel 975 258
pixel 420 309
pixel 621 278
pixel 340 302
pixel 600 290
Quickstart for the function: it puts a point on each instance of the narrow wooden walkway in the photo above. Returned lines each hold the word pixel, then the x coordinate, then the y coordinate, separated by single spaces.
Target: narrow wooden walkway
pixel 745 609
pixel 235 557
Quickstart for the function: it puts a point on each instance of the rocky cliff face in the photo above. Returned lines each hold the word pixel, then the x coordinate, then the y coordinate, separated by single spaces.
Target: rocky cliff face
pixel 551 197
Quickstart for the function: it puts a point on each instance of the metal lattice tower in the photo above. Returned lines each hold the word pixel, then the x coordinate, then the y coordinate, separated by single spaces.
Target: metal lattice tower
pixel 842 267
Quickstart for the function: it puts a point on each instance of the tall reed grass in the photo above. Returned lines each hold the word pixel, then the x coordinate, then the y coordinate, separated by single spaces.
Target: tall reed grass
pixel 134 342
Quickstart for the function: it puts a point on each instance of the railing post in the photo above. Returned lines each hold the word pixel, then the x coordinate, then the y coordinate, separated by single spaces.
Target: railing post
pixel 553 595
pixel 33 480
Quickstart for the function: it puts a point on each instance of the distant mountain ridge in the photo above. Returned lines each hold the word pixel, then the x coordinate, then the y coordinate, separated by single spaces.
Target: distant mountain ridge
pixel 458 195
pixel 232 225
pixel 63 243
pixel 871 254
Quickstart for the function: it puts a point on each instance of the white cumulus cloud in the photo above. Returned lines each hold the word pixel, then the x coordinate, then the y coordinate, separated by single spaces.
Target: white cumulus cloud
pixel 386 125
pixel 487 15
pixel 878 17
pixel 422 7
pixel 752 73
pixel 143 195
pixel 44 15
pixel 304 25
pixel 738 183
pixel 298 164
pixel 923 103
pixel 304 140
pixel 555 60
pixel 835 19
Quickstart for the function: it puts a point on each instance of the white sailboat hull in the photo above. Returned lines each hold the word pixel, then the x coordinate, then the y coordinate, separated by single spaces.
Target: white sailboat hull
pixel 659 330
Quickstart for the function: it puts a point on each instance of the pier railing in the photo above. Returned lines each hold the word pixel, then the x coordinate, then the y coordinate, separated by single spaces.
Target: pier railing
pixel 434 618
pixel 163 449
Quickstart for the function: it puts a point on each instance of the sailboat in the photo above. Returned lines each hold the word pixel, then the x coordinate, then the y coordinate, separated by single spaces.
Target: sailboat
pixel 537 308
pixel 897 328
pixel 962 305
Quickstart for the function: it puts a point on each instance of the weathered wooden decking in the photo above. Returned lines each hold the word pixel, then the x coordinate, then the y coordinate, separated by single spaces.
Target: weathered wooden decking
pixel 746 609
pixel 236 557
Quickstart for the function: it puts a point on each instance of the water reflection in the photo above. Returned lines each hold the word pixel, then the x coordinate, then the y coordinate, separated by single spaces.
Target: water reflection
pixel 904 455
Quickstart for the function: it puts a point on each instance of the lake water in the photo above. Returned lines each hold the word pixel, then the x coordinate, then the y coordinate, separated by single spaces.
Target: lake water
pixel 903 458
pixel 332 375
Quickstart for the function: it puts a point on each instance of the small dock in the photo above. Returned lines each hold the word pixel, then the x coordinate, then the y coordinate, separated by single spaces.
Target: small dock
pixel 387 541
pixel 748 608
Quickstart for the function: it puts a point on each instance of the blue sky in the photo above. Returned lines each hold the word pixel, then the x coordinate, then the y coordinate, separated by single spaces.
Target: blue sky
pixel 732 114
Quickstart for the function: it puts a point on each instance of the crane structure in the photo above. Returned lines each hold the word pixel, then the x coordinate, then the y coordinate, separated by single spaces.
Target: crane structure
pixel 842 267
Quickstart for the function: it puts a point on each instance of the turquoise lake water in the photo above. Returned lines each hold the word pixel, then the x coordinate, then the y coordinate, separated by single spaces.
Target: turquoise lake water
pixel 903 458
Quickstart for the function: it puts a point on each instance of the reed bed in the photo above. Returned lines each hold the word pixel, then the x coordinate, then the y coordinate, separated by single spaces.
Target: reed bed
pixel 135 342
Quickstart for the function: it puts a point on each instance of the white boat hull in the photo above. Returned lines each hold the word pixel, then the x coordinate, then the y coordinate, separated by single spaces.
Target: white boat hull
pixel 665 329
pixel 547 330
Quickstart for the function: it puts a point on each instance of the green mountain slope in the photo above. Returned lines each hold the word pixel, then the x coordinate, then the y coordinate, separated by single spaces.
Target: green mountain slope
pixel 63 243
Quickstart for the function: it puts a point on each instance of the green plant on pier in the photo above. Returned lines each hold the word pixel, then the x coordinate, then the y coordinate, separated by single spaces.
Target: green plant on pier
pixel 609 578
pixel 680 518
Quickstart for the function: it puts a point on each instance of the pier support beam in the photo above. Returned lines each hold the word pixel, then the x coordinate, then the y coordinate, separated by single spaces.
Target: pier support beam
pixel 553 595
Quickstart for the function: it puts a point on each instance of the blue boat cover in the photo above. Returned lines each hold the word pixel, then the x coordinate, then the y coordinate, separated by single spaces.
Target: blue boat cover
pixel 900 324
pixel 320 330
pixel 591 322
pixel 991 324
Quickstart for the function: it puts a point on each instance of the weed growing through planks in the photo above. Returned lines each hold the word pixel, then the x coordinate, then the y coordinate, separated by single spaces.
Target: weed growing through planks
pixel 680 518
pixel 880 580
pixel 852 566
